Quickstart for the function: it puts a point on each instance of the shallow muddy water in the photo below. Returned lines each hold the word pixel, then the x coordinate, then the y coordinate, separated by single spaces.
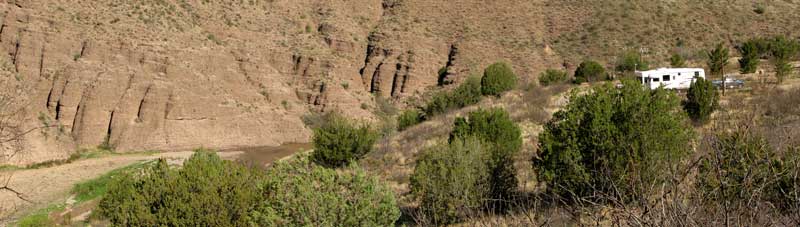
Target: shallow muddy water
pixel 262 156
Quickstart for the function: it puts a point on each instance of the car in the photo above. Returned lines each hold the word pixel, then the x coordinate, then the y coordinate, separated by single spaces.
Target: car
pixel 730 82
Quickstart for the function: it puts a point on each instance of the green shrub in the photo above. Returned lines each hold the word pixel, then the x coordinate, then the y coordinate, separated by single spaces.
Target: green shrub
pixel 750 57
pixel 613 143
pixel 450 181
pixel 497 79
pixel 759 9
pixel 552 76
pixel 300 193
pixel 503 138
pixel 98 187
pixel 701 100
pixel 490 125
pixel 677 61
pixel 409 118
pixel 385 111
pixel 439 103
pixel 630 61
pixel 785 193
pixel 589 71
pixel 743 168
pixel 717 59
pixel 783 51
pixel 467 93
pixel 339 142
pixel 207 191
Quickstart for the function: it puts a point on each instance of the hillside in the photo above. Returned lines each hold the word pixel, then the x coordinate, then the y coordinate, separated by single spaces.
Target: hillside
pixel 180 74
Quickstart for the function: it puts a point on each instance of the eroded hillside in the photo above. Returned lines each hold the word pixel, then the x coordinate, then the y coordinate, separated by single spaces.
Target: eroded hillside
pixel 179 74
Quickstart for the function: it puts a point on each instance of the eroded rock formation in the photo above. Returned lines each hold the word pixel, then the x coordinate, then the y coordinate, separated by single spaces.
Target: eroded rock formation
pixel 175 75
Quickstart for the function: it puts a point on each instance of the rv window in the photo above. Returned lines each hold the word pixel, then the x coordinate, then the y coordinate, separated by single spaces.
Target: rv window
pixel 696 74
pixel 655 79
pixel 666 77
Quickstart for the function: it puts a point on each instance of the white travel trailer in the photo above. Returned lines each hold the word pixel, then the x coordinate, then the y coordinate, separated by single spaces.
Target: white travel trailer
pixel 677 78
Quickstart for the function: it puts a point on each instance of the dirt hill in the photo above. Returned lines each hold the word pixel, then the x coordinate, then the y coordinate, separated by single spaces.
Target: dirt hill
pixel 179 74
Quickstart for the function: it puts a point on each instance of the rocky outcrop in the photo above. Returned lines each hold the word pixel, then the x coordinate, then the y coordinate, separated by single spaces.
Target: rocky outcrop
pixel 311 76
pixel 445 75
pixel 173 75
pixel 386 72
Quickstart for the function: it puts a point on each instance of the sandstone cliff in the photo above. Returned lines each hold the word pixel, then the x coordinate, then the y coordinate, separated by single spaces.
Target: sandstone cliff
pixel 179 74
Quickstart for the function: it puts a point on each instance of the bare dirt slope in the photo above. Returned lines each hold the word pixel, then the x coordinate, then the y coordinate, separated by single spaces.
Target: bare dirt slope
pixel 179 74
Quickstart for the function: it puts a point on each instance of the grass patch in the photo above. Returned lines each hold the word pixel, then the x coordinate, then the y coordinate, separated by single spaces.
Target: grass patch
pixel 97 187
pixel 78 155
pixel 40 217
pixel 9 168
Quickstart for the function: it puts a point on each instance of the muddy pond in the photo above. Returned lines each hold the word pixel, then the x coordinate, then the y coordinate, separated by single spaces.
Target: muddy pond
pixel 265 155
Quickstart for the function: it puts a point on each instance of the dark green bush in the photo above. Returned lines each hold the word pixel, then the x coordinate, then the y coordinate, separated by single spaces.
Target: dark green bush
pixel 613 143
pixel 339 142
pixel 701 100
pixel 750 57
pixel 300 193
pixel 677 61
pixel 589 71
pixel 450 181
pixel 742 169
pixel 490 125
pixel 503 138
pixel 497 79
pixel 717 59
pixel 409 118
pixel 783 50
pixel 552 76
pixel 467 93
pixel 630 61
pixel 439 103
pixel 207 191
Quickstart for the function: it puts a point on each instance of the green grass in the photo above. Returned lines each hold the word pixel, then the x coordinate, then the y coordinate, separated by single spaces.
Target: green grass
pixel 78 155
pixel 97 187
pixel 9 168
pixel 40 217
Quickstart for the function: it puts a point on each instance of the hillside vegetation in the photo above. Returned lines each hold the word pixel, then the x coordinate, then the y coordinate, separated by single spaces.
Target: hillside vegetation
pixel 191 70
pixel 421 113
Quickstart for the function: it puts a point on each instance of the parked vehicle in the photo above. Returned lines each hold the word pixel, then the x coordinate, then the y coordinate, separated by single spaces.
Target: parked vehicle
pixel 730 82
pixel 670 78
